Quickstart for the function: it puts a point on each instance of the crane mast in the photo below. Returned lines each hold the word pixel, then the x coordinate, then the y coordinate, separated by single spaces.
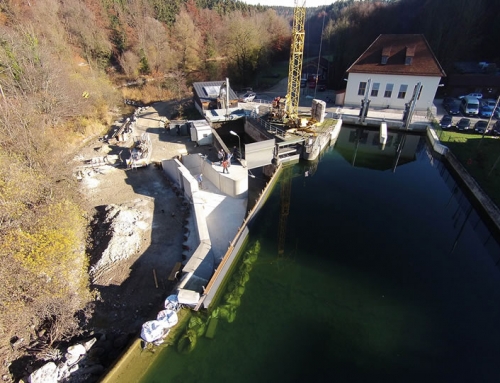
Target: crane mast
pixel 296 57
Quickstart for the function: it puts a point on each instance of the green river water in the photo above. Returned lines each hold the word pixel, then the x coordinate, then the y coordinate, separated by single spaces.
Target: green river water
pixel 387 276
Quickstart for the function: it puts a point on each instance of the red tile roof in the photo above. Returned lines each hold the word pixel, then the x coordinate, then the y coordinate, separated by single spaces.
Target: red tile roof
pixel 398 47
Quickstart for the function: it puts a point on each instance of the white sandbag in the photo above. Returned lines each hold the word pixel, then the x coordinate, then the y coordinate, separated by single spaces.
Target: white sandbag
pixel 172 302
pixel 152 330
pixel 168 318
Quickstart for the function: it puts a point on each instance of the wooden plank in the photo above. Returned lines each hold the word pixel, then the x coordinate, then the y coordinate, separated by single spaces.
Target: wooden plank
pixel 174 271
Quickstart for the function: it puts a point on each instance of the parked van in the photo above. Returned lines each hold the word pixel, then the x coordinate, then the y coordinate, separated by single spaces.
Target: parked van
pixel 469 106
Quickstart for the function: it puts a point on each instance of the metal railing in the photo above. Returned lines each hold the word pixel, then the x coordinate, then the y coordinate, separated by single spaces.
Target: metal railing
pixel 268 126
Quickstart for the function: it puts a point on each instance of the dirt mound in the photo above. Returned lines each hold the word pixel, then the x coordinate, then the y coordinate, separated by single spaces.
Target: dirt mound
pixel 118 232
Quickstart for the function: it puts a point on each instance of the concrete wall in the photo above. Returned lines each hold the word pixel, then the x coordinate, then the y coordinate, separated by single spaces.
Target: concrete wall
pixel 435 142
pixel 171 169
pixel 236 187
pixel 194 163
pixel 335 132
pixel 430 85
pixel 181 176
pixel 189 184
pixel 200 220
pixel 217 279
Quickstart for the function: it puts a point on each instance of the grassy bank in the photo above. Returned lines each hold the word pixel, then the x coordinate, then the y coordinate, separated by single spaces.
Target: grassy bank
pixel 480 156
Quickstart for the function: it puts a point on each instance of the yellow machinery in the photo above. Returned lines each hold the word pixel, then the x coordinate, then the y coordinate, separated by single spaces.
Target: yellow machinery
pixel 296 57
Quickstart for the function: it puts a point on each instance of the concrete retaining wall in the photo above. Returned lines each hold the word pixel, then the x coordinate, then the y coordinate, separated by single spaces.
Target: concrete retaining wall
pixel 189 184
pixel 481 197
pixel 171 169
pixel 200 219
pixel 256 132
pixel 391 124
pixel 336 131
pixel 235 186
pixel 183 175
pixel 435 143
pixel 194 163
pixel 217 279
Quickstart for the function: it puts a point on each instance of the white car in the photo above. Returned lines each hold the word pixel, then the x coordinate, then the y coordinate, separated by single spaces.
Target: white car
pixel 475 95
pixel 248 97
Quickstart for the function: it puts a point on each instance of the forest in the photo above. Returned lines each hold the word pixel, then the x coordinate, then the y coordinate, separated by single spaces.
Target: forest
pixel 62 67
pixel 461 30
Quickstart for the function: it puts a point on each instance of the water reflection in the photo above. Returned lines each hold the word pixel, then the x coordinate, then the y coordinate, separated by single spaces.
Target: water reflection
pixel 362 148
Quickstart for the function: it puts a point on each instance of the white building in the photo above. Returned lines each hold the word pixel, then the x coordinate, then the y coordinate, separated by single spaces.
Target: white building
pixel 394 64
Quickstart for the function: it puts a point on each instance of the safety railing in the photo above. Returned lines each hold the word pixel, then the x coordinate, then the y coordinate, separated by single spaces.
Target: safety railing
pixel 268 126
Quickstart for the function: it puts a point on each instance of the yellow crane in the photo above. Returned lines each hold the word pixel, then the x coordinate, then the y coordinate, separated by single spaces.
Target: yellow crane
pixel 296 57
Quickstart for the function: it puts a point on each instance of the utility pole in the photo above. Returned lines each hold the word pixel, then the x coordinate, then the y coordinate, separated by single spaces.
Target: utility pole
pixel 227 95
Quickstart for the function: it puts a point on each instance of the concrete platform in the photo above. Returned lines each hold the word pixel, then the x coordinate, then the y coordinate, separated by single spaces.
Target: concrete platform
pixel 224 214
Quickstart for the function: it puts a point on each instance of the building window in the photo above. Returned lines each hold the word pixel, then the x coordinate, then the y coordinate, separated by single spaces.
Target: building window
pixel 388 90
pixel 362 88
pixel 402 91
pixel 375 88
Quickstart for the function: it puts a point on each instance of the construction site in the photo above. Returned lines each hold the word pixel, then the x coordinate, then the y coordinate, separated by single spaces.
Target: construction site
pixel 164 221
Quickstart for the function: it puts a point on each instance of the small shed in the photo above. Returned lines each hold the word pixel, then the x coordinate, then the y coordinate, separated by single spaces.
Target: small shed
pixel 201 132
pixel 207 95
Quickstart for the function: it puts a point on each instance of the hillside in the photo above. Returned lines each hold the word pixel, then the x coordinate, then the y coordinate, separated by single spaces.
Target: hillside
pixel 64 70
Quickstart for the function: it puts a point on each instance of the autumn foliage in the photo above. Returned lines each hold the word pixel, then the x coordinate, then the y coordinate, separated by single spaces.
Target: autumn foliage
pixel 63 66
pixel 62 69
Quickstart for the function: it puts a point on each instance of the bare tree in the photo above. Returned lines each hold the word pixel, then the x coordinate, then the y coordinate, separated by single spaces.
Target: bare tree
pixel 129 62
pixel 187 41
pixel 245 43
pixel 84 29
pixel 154 42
